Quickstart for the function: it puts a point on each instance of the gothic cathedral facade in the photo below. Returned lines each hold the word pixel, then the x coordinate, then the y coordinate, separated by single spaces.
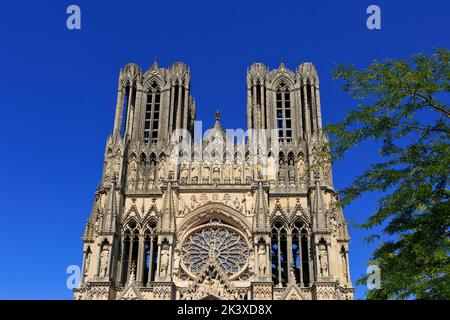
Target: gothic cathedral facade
pixel 215 225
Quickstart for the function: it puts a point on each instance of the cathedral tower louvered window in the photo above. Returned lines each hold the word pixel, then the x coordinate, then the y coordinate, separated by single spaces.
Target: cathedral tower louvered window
pixel 152 110
pixel 283 112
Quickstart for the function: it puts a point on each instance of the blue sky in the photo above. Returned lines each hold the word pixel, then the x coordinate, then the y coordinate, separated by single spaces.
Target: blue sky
pixel 58 93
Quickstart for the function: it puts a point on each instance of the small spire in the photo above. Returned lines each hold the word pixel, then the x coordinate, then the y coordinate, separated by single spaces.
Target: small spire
pixel 217 115
pixel 155 63
pixel 217 123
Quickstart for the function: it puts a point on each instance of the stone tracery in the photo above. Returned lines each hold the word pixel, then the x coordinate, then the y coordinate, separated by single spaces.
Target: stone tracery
pixel 218 244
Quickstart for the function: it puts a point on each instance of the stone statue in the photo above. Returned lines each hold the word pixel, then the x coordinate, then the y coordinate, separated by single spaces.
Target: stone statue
pixel 344 264
pixel 271 169
pixel 236 204
pixel 193 201
pixel 206 172
pixel 184 173
pixel 216 174
pixel 301 169
pixel 259 171
pixel 182 207
pixel 227 173
pixel 161 170
pixel 117 166
pixel 248 172
pixel 164 261
pixel 226 198
pixel 323 261
pixel 104 257
pixel 140 183
pixel 130 183
pixel 194 173
pixel 108 167
pixel 237 173
pixel 97 223
pixel 281 171
pixel 291 171
pixel 262 260
pixel 152 173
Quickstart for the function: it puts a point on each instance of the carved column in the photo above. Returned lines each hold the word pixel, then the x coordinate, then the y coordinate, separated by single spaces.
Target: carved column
pixel 120 262
pixel 289 256
pixel 158 260
pixel 128 119
pixel 269 265
pixel 306 110
pixel 119 109
pixel 178 115
pixel 140 260
pixel 150 266
pixel 186 108
pixel 279 260
pixel 318 108
pixel 83 272
pixel 349 282
pixel 300 254
pixel 171 110
pixel 263 109
pixel 97 267
pixel 256 259
pixel 130 256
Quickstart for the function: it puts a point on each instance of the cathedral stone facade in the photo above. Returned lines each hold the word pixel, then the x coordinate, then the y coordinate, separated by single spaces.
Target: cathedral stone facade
pixel 176 217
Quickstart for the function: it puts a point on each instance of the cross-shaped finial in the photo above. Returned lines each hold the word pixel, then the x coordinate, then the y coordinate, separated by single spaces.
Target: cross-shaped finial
pixel 217 115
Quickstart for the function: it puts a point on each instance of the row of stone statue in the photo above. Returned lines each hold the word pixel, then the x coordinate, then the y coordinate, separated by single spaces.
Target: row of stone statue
pixel 142 175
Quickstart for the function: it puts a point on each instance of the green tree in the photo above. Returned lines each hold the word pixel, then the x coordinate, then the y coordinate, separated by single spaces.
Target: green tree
pixel 402 107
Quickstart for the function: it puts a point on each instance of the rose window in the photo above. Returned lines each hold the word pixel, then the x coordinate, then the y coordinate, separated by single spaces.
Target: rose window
pixel 220 244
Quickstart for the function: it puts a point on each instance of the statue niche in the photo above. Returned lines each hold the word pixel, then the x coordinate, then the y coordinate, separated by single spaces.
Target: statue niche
pixel 104 258
pixel 262 260
pixel 164 259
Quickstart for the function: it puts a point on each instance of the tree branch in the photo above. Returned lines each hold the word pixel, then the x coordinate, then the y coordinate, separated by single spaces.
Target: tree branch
pixel 433 105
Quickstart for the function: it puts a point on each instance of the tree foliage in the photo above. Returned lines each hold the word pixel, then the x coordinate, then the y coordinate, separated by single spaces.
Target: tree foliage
pixel 403 106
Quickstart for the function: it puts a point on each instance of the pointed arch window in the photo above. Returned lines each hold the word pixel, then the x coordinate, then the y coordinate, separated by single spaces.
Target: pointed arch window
pixel 130 243
pixel 128 102
pixel 290 253
pixel 279 256
pixel 300 259
pixel 150 253
pixel 152 110
pixel 283 112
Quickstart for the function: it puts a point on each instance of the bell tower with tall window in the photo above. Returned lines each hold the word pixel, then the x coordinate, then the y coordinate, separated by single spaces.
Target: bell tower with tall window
pixel 151 105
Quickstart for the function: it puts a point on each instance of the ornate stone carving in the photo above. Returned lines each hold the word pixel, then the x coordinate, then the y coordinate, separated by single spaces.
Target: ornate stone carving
pixel 216 244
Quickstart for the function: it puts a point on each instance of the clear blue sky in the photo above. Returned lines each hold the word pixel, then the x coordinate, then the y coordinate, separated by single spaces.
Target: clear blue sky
pixel 58 93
